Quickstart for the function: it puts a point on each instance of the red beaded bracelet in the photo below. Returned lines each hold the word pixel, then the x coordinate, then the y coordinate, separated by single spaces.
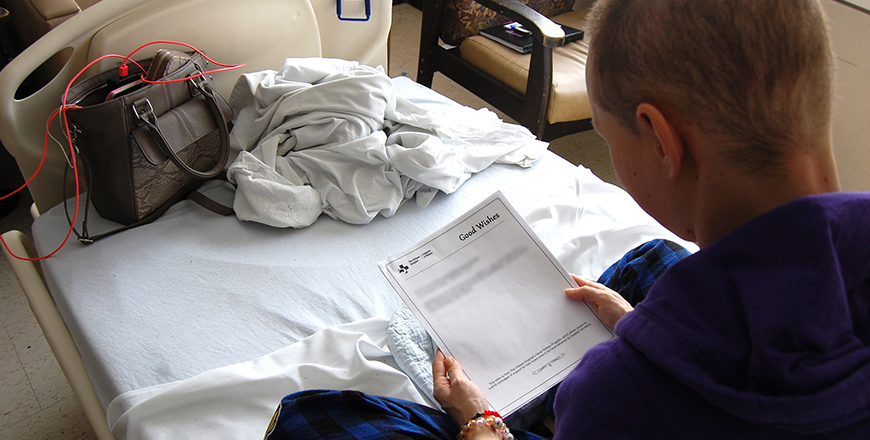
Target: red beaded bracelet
pixel 488 418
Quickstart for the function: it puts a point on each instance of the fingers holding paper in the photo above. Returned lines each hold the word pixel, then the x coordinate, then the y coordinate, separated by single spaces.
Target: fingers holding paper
pixel 609 305
pixel 458 396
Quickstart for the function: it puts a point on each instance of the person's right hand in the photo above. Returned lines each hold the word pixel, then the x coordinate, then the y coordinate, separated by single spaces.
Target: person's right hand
pixel 610 305
pixel 458 396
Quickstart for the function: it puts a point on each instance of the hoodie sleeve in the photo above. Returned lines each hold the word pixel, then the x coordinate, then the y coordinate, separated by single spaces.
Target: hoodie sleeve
pixel 603 398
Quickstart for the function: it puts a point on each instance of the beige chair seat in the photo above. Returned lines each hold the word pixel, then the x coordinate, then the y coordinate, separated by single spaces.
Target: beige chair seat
pixel 569 100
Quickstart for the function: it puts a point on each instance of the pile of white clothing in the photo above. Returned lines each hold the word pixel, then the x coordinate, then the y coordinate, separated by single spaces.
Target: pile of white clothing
pixel 334 136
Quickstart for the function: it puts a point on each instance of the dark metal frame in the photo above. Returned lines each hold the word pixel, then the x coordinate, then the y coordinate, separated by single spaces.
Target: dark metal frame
pixel 530 109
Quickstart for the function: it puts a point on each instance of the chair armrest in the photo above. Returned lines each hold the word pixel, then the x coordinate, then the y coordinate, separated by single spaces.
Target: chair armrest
pixel 548 35
pixel 542 28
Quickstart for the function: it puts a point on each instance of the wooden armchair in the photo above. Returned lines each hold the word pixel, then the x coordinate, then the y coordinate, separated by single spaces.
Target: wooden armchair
pixel 544 91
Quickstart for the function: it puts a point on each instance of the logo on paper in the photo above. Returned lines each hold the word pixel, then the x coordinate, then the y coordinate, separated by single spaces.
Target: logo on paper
pixel 403 268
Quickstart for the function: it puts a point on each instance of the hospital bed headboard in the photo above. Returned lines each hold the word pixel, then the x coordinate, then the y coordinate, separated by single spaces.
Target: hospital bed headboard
pixel 260 33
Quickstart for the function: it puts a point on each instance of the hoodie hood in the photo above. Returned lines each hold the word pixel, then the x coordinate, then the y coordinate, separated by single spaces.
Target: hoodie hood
pixel 772 322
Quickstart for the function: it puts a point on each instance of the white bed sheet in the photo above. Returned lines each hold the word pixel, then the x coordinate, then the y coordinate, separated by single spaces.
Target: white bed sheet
pixel 194 292
pixel 238 401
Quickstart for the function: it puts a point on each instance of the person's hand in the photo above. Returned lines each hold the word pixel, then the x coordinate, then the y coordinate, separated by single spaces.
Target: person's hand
pixel 610 305
pixel 458 396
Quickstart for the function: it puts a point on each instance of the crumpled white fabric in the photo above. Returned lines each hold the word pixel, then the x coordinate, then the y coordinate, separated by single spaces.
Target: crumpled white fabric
pixel 334 136
pixel 301 203
pixel 238 401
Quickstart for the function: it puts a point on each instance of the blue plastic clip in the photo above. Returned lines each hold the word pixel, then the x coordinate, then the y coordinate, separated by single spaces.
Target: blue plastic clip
pixel 368 12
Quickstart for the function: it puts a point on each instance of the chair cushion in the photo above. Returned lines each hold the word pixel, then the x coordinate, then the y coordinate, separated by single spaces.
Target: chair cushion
pixel 569 100
pixel 464 18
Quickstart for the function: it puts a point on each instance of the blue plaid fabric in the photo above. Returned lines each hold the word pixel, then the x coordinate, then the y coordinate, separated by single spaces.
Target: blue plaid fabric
pixel 334 415
pixel 326 414
pixel 634 274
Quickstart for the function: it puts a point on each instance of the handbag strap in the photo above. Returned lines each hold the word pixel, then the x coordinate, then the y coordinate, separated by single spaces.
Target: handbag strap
pixel 145 112
pixel 207 203
pixel 195 196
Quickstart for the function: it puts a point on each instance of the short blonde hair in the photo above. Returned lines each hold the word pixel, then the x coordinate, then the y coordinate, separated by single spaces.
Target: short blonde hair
pixel 758 73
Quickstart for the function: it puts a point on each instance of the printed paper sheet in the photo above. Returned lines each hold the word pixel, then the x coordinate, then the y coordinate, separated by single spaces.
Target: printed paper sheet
pixel 492 295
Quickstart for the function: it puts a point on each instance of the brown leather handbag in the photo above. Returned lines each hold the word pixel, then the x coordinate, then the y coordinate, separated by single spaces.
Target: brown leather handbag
pixel 146 145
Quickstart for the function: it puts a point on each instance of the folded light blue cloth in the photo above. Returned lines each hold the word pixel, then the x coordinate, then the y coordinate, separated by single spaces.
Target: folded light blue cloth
pixel 413 349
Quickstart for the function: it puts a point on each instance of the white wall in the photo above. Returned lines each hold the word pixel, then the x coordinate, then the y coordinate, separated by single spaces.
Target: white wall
pixel 850 35
pixel 864 4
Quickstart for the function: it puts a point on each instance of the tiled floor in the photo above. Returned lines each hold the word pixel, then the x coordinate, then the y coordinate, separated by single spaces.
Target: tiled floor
pixel 35 400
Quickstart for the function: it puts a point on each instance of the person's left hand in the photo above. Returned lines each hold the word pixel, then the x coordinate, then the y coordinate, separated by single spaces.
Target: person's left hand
pixel 609 305
pixel 461 398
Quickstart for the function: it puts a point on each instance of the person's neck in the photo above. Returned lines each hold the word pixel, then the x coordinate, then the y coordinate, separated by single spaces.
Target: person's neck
pixel 727 201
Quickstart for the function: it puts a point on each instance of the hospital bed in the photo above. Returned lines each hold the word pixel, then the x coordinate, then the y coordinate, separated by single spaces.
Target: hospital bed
pixel 196 325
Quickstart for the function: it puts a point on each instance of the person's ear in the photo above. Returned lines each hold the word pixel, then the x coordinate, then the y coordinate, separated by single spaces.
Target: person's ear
pixel 668 145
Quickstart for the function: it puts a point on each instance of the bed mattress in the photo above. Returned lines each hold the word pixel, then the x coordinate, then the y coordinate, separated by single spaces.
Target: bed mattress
pixel 195 291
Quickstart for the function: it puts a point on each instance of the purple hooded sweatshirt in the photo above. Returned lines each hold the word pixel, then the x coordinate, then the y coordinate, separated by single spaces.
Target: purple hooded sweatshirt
pixel 765 334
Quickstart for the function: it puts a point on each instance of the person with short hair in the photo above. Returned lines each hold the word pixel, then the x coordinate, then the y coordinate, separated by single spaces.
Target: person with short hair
pixel 717 114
